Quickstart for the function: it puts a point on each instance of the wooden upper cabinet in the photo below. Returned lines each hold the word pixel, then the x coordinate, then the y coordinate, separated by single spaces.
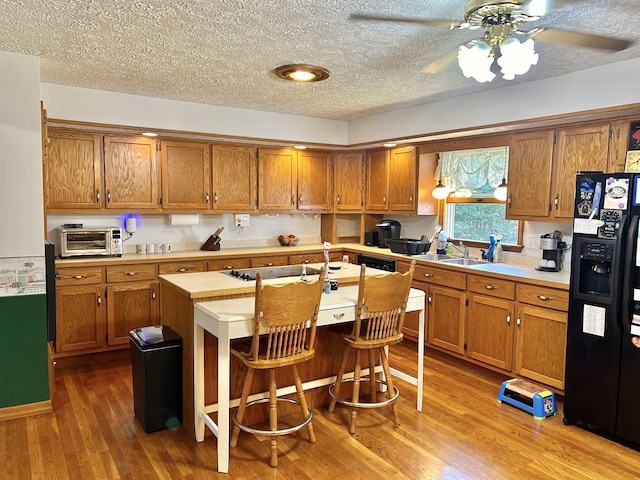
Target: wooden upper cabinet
pixel 402 179
pixel 348 177
pixel 314 181
pixel 277 176
pixel 377 181
pixel 73 172
pixel 530 160
pixel 234 172
pixel 577 149
pixel 186 175
pixel 131 173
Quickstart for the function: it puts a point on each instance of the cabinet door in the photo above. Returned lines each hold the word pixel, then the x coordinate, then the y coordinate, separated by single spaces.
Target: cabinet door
pixel 348 182
pixel 402 180
pixel 541 339
pixel 412 319
pixel 582 148
pixel 446 318
pixel 315 180
pixel 530 157
pixel 73 172
pixel 489 331
pixel 80 317
pixel 377 181
pixel 186 176
pixel 131 174
pixel 277 177
pixel 130 305
pixel 234 178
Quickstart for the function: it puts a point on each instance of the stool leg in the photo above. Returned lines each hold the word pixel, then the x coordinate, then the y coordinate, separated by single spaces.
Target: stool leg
pixel 304 408
pixel 356 392
pixel 390 389
pixel 242 407
pixel 336 388
pixel 273 416
pixel 372 374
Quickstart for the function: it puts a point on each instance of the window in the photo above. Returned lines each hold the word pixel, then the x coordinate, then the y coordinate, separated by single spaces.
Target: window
pixel 472 213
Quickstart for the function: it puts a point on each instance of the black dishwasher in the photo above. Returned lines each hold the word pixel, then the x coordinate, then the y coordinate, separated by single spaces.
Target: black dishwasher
pixel 380 263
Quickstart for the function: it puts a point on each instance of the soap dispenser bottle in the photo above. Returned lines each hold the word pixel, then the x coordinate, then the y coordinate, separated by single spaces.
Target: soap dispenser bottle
pixel 497 254
pixel 441 245
pixel 492 248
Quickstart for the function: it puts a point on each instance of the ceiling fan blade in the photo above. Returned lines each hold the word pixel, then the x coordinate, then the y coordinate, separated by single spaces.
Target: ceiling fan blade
pixel 445 62
pixel 541 8
pixel 567 37
pixel 417 21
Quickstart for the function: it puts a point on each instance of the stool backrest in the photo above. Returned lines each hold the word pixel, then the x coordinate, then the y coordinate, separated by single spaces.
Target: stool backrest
pixel 382 302
pixel 289 313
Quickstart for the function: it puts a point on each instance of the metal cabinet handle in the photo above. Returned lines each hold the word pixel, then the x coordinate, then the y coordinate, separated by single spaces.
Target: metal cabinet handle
pixel 181 269
pixel 543 298
pixel 77 277
pixel 429 275
pixel 490 287
pixel 429 299
pixel 509 318
pixel 270 264
pixel 556 201
pixel 215 197
pixel 338 315
pixel 411 199
pixel 99 299
pixel 338 199
pixel 97 196
pixel 108 196
pixel 293 199
pixel 153 293
pixel 206 198
pixel 518 320
pixel 131 274
pixel 384 199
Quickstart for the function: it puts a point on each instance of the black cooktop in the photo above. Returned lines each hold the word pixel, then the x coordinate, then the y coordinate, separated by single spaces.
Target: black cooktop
pixel 271 272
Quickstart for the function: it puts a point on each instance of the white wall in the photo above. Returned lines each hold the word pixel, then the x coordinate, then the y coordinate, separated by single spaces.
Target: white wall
pixel 21 208
pixel 599 87
pixel 87 105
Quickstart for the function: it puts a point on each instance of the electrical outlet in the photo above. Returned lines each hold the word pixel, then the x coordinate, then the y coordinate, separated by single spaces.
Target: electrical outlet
pixel 242 220
pixel 532 241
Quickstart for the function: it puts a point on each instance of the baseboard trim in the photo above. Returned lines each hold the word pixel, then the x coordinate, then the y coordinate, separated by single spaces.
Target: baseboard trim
pixel 26 410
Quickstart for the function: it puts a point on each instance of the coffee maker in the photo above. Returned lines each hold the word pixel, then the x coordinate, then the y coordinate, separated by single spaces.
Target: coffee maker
pixel 387 229
pixel 552 248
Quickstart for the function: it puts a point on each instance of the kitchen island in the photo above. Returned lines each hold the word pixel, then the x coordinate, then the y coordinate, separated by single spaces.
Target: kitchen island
pixel 179 294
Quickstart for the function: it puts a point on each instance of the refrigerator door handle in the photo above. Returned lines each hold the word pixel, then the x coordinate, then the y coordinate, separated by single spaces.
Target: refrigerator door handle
pixel 627 276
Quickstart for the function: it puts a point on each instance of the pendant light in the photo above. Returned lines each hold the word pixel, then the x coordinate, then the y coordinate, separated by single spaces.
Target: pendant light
pixel 441 191
pixel 500 193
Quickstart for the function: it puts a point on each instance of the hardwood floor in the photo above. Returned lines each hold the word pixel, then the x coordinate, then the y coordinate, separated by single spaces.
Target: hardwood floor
pixel 462 433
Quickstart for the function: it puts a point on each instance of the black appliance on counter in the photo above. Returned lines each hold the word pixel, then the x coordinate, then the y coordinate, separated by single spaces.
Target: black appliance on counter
pixel 387 229
pixel 377 262
pixel 371 239
pixel 50 288
pixel 602 378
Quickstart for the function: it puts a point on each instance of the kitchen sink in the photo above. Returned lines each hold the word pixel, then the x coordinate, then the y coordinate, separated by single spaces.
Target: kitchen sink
pixel 464 261
pixel 434 256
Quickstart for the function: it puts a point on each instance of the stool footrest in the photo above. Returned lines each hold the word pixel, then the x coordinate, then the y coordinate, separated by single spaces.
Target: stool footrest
pixel 531 398
pixel 350 403
pixel 280 431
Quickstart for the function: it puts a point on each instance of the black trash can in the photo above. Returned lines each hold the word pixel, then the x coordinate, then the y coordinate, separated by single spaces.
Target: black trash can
pixel 156 361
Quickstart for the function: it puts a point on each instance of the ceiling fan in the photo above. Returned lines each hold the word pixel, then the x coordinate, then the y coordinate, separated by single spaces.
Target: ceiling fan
pixel 501 21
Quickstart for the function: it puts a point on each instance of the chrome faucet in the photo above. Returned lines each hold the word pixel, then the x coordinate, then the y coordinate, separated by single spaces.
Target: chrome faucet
pixel 462 248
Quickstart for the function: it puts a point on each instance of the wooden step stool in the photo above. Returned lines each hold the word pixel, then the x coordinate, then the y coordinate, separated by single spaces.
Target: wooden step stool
pixel 527 396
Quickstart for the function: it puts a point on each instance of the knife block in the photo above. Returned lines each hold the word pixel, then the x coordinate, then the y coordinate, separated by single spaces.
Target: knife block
pixel 212 244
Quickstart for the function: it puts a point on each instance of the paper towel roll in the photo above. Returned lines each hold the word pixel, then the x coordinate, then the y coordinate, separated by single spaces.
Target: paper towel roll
pixel 184 219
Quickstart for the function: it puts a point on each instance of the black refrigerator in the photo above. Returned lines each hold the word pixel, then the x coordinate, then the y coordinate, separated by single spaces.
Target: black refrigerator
pixel 602 379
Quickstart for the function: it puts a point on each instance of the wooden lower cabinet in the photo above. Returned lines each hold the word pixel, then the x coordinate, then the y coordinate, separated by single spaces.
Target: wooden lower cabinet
pixel 80 318
pixel 129 306
pixel 228 264
pixel 272 261
pixel 489 331
pixel 446 312
pixel 541 334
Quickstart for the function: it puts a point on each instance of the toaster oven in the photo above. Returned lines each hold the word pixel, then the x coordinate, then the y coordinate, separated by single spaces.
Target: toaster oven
pixel 89 241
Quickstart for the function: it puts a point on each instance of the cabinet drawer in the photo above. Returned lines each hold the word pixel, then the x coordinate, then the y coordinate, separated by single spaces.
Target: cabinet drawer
pixel 308 258
pixel 543 296
pixel 228 264
pixel 494 287
pixel 181 267
pixel 440 276
pixel 131 273
pixel 269 261
pixel 79 275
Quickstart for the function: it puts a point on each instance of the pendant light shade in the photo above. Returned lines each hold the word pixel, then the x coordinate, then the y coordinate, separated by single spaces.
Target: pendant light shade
pixel 500 193
pixel 441 191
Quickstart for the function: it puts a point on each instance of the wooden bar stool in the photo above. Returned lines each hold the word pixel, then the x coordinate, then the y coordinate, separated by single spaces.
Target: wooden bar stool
pixel 283 336
pixel 382 301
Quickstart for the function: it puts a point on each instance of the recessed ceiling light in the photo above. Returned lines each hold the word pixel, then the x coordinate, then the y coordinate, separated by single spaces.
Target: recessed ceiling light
pixel 149 134
pixel 302 73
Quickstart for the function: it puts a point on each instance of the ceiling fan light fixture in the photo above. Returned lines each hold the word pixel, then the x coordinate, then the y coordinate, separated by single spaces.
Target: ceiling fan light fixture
pixel 516 58
pixel 475 61
pixel 302 73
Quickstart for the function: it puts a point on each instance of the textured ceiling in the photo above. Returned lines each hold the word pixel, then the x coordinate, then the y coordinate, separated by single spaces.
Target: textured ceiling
pixel 223 52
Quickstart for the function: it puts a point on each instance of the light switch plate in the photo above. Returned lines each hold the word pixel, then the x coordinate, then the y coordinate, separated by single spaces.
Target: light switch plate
pixel 242 220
